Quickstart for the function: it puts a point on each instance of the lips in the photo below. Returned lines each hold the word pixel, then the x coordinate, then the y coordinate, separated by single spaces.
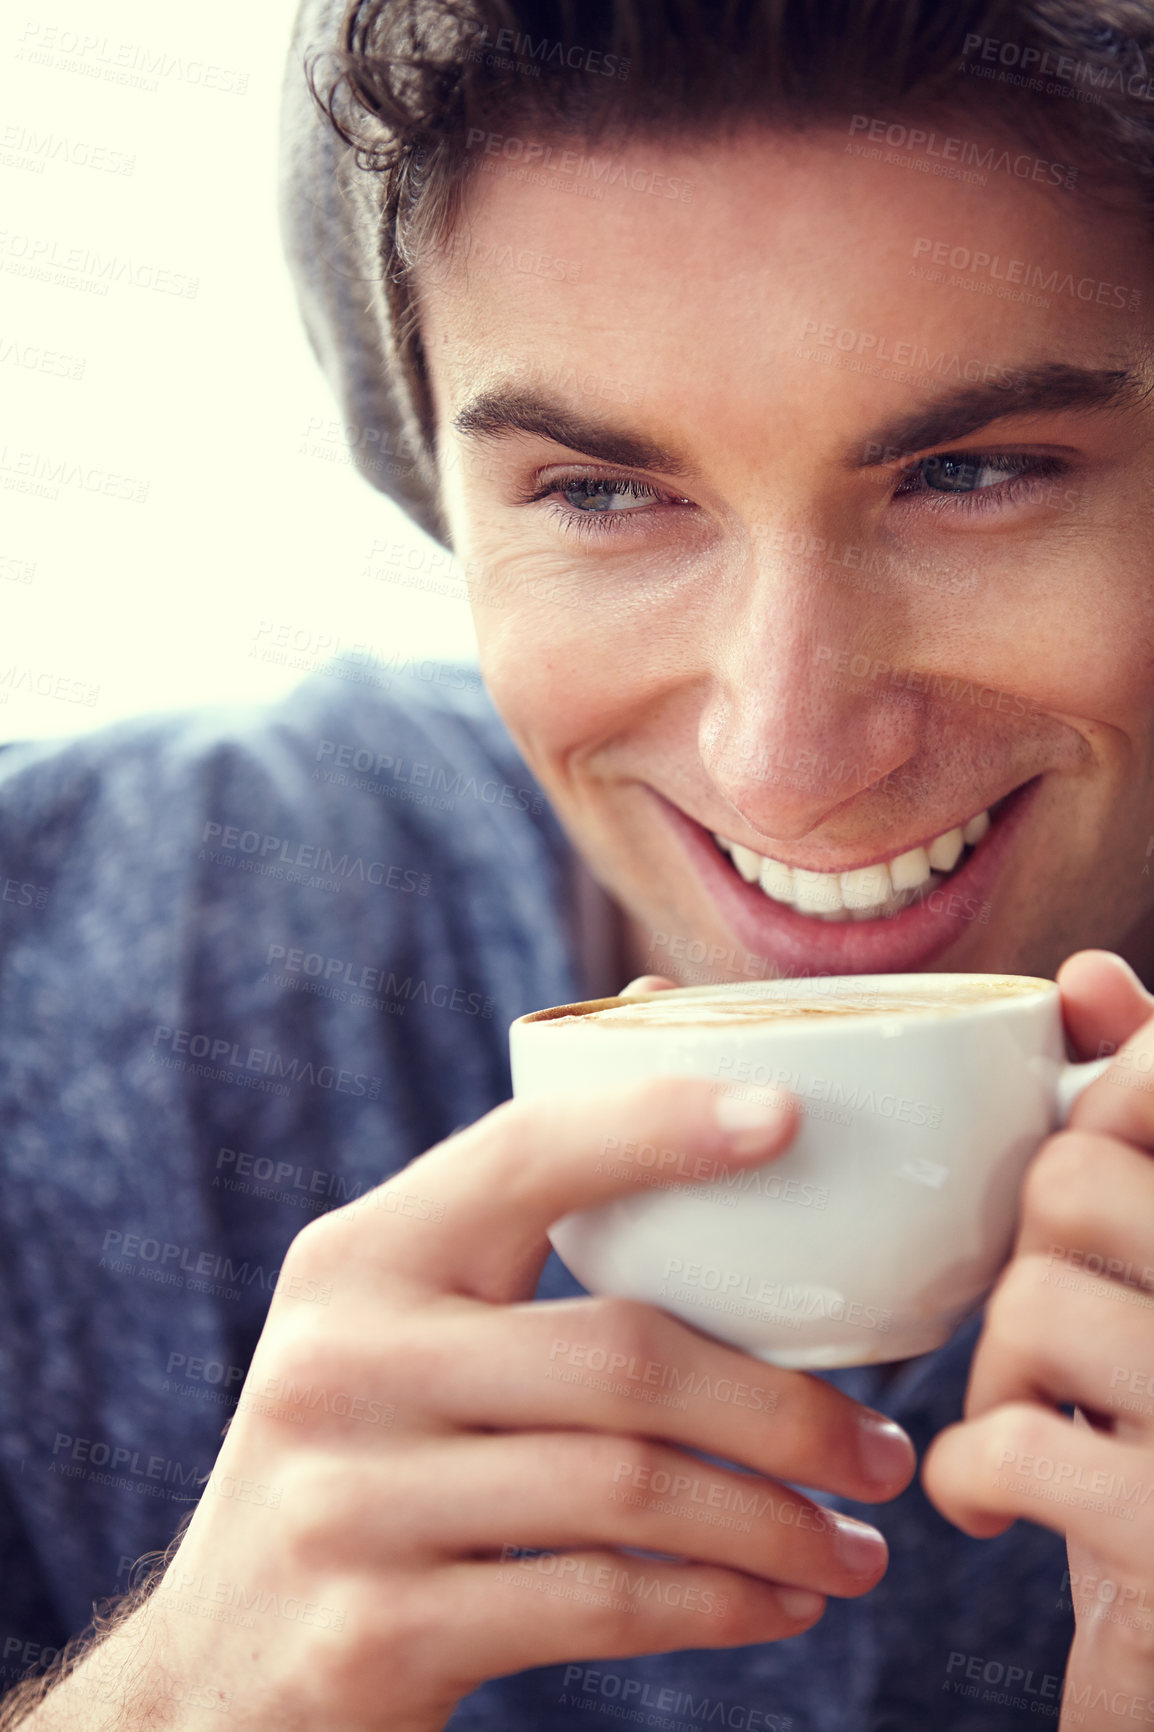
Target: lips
pixel 800 944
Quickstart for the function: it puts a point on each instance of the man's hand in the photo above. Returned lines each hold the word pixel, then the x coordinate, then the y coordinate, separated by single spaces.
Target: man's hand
pixel 432 1480
pixel 1071 1322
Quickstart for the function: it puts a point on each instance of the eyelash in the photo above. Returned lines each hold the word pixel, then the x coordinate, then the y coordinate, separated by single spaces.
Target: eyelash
pixel 589 522
pixel 1019 470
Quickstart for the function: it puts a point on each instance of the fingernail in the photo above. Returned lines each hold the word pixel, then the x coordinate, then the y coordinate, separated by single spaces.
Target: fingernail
pixel 800 1602
pixel 857 1547
pixel 884 1450
pixel 645 983
pixel 750 1124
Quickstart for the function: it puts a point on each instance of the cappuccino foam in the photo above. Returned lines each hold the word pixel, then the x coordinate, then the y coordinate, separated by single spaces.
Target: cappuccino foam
pixel 670 1010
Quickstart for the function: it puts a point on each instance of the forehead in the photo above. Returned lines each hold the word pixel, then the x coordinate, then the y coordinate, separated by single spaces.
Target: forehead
pixel 655 268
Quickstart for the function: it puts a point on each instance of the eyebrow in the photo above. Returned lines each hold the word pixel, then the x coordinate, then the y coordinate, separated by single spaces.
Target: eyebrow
pixel 497 413
pixel 500 412
pixel 1029 391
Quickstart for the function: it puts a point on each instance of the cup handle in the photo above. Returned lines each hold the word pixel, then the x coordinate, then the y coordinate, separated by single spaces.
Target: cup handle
pixel 1072 1079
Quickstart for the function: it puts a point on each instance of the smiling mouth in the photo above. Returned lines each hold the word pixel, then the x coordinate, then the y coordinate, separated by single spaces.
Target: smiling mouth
pixel 875 892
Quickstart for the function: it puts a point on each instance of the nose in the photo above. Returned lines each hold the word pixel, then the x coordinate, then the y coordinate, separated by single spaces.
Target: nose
pixel 800 716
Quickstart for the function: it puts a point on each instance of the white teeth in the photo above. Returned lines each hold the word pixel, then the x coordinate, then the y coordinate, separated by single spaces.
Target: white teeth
pixel 868 887
pixel 944 850
pixel 867 893
pixel 816 892
pixel 910 869
pixel 776 879
pixel 747 862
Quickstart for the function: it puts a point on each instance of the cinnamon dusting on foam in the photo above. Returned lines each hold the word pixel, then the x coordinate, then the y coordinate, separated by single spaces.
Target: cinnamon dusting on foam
pixel 669 1010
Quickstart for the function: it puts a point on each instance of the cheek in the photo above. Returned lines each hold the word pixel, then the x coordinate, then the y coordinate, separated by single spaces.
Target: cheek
pixel 573 648
pixel 1088 626
pixel 560 680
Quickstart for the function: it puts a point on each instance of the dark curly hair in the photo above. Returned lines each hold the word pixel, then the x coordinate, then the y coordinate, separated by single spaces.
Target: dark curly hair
pixel 412 84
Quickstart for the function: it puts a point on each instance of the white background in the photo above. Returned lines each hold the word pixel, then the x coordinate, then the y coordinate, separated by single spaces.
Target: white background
pixel 255 525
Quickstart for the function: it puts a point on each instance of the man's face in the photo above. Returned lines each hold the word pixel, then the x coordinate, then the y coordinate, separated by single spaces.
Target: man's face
pixel 813 513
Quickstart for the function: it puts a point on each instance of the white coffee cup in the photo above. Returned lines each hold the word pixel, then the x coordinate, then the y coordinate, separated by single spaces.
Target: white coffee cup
pixel 889 1217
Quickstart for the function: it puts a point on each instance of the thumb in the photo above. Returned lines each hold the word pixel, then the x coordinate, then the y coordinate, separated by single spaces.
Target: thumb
pixel 1103 1001
pixel 647 983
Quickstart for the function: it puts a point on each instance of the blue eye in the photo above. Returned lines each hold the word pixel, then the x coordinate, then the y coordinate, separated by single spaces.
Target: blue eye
pixel 596 494
pixel 601 504
pixel 959 474
pixel 963 473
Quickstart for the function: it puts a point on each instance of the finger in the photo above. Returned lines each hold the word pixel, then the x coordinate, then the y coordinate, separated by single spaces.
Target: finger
pixel 1089 1193
pixel 1025 1461
pixel 1120 1103
pixel 1109 1662
pixel 562 1490
pixel 1088 1205
pixel 499 1185
pixel 1113 1622
pixel 619 1367
pixel 1060 1337
pixel 512 1615
pixel 647 983
pixel 1102 1000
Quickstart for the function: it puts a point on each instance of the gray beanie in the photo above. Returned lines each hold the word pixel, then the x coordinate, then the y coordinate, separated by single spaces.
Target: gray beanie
pixel 330 215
